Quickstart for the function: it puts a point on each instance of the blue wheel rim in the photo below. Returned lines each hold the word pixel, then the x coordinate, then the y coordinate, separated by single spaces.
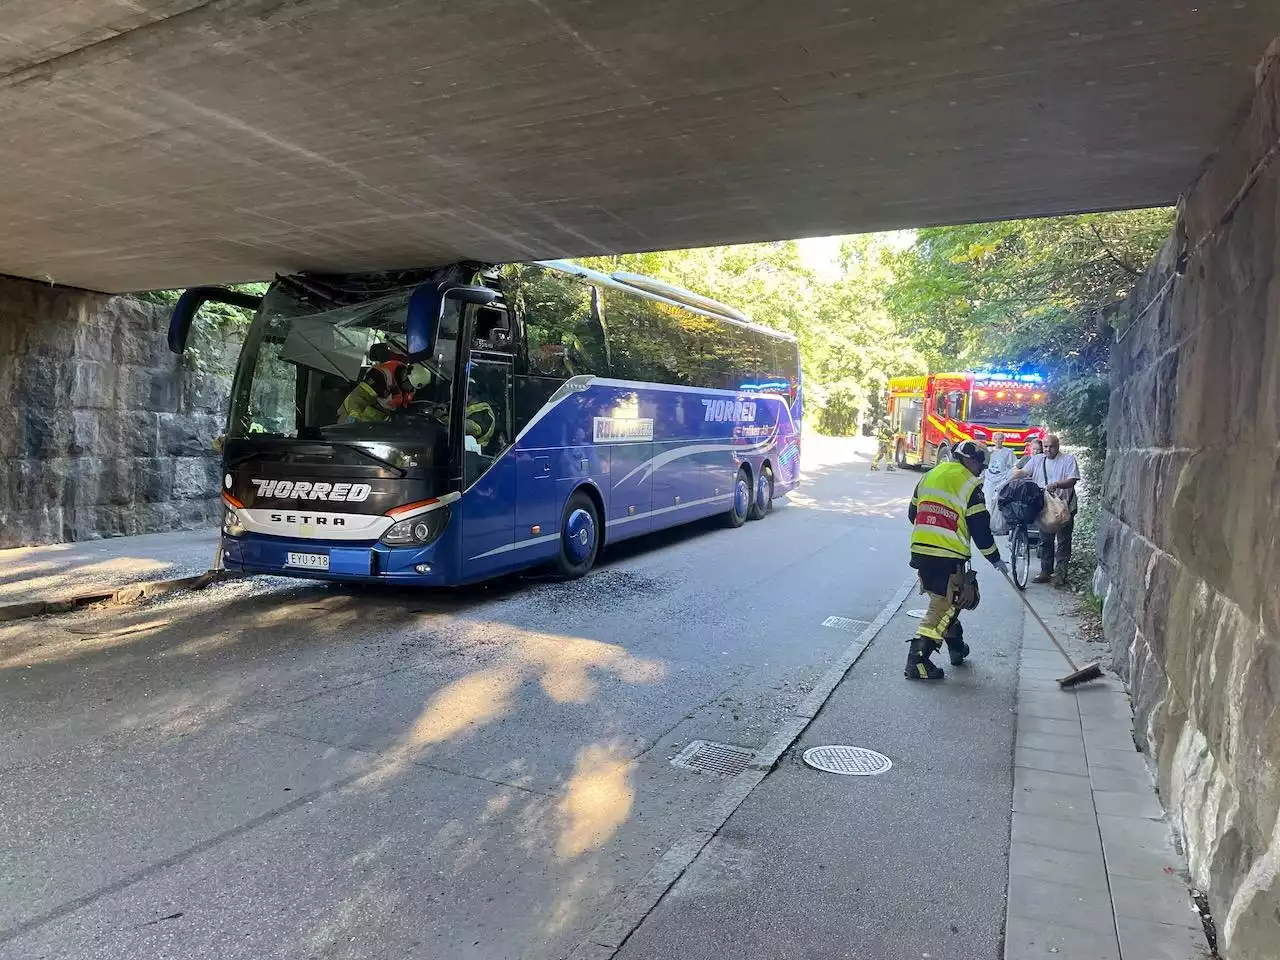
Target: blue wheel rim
pixel 741 496
pixel 579 535
pixel 762 491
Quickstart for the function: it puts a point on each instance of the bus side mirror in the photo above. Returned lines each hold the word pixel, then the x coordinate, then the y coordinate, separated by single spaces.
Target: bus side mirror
pixel 426 307
pixel 189 304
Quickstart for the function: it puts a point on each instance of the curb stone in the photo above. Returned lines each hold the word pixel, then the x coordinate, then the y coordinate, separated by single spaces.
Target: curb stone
pixel 132 593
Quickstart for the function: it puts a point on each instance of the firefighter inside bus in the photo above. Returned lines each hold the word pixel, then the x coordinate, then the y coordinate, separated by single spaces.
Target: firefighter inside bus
pixel 383 388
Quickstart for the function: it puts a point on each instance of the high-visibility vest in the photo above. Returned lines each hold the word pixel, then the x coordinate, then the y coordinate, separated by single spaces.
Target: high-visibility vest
pixel 942 509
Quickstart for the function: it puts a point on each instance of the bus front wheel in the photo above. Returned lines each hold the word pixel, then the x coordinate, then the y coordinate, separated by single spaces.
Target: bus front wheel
pixel 579 536
pixel 763 500
pixel 737 514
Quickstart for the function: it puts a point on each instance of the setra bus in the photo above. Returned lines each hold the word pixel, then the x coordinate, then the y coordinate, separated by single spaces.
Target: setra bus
pixel 930 414
pixel 541 410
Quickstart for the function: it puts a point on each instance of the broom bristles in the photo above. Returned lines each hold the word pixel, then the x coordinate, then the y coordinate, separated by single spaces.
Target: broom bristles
pixel 1090 671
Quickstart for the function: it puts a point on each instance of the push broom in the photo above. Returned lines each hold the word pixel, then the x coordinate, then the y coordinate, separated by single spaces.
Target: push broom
pixel 1078 675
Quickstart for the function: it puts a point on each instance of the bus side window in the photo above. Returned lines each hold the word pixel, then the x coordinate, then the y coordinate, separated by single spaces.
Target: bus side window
pixel 637 339
pixel 492 329
pixel 563 334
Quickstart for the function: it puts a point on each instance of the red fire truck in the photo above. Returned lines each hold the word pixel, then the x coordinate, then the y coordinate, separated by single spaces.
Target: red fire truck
pixel 929 415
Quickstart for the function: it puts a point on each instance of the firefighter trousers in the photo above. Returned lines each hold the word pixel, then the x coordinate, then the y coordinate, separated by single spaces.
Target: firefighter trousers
pixel 941 619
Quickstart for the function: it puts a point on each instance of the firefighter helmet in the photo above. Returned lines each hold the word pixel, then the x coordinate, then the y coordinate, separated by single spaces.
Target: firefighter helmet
pixel 969 450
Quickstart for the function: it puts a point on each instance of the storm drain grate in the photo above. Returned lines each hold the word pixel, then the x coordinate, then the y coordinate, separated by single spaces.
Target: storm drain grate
pixel 705 756
pixel 849 761
pixel 846 623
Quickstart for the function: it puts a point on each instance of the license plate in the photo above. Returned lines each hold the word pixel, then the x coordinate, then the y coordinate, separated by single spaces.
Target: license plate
pixel 311 561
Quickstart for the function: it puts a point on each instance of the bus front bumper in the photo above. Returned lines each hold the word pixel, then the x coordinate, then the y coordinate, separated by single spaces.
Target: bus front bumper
pixel 369 562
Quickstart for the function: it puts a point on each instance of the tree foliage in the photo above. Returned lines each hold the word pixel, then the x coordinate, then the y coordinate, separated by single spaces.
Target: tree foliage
pixel 1028 294
pixel 848 344
pixel 1023 292
pixel 217 331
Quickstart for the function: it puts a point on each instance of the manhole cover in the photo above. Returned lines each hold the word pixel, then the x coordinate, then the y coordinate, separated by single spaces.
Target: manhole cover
pixel 706 756
pixel 846 623
pixel 849 761
pixel 918 614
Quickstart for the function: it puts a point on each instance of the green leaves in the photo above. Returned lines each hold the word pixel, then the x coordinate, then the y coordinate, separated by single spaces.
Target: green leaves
pixel 216 331
pixel 1022 292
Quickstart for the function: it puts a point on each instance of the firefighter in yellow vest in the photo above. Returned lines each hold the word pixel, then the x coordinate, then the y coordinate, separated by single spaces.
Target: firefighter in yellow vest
pixel 383 388
pixel 947 510
pixel 884 446
pixel 390 386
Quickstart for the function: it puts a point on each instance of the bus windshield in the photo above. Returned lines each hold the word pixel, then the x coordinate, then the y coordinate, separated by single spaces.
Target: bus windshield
pixel 303 375
pixel 1001 408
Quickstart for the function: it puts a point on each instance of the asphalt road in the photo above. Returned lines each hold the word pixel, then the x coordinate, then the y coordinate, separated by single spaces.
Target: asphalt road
pixel 282 769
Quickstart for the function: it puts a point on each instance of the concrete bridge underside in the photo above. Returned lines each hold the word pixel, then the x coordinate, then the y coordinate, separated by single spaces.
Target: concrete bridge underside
pixel 157 143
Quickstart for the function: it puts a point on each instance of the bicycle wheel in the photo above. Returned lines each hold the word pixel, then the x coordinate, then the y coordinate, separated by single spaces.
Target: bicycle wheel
pixel 1020 556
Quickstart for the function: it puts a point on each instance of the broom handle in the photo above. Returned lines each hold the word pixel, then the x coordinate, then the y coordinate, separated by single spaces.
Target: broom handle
pixel 1032 610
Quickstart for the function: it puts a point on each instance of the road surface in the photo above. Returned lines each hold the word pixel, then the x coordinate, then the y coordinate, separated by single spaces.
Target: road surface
pixel 289 769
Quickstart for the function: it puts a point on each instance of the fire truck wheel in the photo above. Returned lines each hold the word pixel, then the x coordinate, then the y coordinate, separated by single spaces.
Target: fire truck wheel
pixel 900 455
pixel 944 453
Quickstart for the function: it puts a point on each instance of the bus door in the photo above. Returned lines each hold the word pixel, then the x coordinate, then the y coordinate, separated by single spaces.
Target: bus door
pixel 488 478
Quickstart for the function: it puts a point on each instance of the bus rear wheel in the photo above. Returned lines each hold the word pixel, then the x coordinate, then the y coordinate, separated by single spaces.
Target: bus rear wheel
pixel 579 536
pixel 762 503
pixel 738 513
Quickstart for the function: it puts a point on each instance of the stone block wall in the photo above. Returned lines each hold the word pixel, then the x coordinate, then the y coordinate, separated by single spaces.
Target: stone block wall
pixel 1190 538
pixel 102 431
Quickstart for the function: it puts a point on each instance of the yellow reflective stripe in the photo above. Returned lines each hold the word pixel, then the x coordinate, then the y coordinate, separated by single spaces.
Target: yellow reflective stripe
pixel 976 509
pixel 929 550
pixel 992 551
pixel 942 492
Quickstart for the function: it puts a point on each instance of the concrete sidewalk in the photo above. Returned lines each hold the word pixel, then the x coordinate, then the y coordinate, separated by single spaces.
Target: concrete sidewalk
pixel 31 578
pixel 1094 869
pixel 1017 821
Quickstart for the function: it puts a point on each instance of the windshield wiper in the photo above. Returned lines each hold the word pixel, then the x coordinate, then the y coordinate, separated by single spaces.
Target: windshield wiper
pixel 351 444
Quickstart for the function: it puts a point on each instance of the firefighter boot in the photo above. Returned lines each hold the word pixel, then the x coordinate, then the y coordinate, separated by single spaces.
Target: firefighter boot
pixel 957 649
pixel 918 665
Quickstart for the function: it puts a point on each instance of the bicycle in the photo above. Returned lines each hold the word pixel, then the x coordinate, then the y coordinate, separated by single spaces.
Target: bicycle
pixel 1020 543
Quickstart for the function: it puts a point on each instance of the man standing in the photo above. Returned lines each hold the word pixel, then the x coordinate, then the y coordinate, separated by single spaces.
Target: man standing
pixel 1057 474
pixel 884 443
pixel 947 510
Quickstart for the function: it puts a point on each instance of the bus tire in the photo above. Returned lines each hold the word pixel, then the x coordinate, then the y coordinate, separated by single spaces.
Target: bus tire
pixel 762 503
pixel 900 455
pixel 741 507
pixel 944 454
pixel 579 536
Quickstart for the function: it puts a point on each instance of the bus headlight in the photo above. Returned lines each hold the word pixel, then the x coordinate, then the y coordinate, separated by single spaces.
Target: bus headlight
pixel 417 531
pixel 231 524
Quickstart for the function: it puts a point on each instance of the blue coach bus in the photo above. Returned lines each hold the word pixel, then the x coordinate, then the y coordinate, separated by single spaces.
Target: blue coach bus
pixel 542 410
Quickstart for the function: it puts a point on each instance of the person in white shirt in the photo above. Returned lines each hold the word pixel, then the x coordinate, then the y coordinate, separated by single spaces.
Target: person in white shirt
pixel 1056 473
pixel 1000 468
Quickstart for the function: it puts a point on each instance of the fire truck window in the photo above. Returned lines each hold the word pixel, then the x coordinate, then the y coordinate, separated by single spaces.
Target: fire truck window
pixel 940 404
pixel 911 416
pixel 956 406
